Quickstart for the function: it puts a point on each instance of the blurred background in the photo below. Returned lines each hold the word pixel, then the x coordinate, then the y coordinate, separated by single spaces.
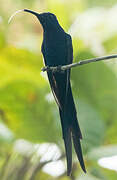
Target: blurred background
pixel 31 145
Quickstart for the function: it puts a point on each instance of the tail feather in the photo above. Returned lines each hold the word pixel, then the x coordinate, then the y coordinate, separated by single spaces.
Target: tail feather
pixel 67 141
pixel 68 148
pixel 78 150
pixel 75 127
pixel 71 129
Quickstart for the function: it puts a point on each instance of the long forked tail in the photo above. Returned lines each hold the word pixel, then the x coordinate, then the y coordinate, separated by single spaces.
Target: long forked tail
pixel 77 136
pixel 71 130
pixel 78 150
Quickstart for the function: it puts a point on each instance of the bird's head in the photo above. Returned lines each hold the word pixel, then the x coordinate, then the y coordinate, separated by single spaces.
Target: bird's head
pixel 47 20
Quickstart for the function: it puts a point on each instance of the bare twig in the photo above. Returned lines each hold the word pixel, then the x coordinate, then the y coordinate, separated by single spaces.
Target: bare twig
pixel 40 165
pixel 69 66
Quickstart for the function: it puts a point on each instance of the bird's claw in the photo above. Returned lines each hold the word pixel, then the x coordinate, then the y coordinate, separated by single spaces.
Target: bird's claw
pixel 46 68
pixel 53 70
pixel 59 69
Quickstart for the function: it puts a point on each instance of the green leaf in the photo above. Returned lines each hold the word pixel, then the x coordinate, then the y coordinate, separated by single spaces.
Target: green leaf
pixel 96 84
pixel 92 125
pixel 28 112
pixel 103 151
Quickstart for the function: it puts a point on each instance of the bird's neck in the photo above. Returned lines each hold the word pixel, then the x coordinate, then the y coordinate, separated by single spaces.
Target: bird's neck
pixel 53 33
pixel 53 30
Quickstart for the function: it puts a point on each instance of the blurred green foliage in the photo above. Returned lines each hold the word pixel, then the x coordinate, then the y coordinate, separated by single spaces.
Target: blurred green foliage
pixel 27 109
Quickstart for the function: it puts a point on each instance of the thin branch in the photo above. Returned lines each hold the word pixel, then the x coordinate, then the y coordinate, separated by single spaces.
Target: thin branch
pixel 40 165
pixel 69 66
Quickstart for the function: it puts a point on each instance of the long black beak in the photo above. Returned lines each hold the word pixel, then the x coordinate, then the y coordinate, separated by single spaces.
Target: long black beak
pixel 26 10
pixel 32 12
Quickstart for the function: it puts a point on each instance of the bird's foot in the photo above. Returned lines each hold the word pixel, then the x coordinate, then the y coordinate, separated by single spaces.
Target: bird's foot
pixel 53 69
pixel 59 69
pixel 46 68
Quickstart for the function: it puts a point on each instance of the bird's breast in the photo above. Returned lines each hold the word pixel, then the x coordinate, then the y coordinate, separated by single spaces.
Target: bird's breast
pixel 55 50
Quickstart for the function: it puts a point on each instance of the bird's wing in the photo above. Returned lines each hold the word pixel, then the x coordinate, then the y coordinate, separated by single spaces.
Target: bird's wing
pixel 54 88
pixel 69 49
pixel 59 81
pixel 55 80
pixel 69 59
pixel 58 87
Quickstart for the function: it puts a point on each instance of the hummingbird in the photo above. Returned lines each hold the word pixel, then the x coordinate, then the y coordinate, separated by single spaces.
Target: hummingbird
pixel 57 50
